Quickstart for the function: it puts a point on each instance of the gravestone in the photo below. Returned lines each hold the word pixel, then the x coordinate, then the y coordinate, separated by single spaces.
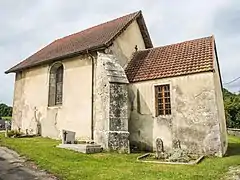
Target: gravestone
pixel 160 148
pixel 68 137
pixel 176 144
pixel 68 142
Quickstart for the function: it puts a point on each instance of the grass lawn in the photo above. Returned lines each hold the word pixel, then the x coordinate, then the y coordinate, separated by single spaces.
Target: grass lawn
pixel 73 166
pixel 7 118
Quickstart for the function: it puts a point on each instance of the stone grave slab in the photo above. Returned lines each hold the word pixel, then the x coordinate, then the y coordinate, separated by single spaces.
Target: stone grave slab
pixel 83 148
pixel 68 137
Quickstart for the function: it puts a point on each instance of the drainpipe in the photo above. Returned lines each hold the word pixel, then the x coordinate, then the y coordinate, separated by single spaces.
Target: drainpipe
pixel 92 57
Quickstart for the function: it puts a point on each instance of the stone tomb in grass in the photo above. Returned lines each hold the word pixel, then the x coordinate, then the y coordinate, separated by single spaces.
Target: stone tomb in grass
pixel 69 142
pixel 176 156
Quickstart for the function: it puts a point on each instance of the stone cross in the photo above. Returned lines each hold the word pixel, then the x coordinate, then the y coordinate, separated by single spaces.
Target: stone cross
pixel 176 144
pixel 68 137
pixel 65 136
pixel 159 147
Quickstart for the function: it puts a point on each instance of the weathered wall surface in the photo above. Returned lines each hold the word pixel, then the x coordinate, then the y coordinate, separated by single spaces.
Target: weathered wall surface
pixel 31 100
pixel 220 105
pixel 101 103
pixel 194 119
pixel 124 46
pixel 110 104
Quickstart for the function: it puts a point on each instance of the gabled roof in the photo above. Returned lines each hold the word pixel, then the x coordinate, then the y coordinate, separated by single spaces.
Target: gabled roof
pixel 92 39
pixel 184 58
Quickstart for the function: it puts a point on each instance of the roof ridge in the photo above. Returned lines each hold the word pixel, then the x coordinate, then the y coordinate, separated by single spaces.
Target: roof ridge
pixel 190 40
pixel 97 25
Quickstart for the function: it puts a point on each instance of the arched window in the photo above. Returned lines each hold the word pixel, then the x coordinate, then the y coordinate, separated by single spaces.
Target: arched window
pixel 56 85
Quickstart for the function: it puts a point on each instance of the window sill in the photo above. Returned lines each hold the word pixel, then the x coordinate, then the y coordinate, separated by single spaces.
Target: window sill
pixel 55 107
pixel 164 116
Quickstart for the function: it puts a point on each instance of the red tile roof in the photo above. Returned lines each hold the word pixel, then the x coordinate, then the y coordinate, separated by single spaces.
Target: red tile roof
pixel 95 38
pixel 172 60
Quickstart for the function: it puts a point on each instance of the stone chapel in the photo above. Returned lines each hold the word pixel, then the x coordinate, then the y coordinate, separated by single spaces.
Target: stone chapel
pixel 109 84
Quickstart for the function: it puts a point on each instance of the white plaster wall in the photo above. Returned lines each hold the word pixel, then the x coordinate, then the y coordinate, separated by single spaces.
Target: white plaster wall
pixel 124 46
pixel 220 105
pixel 194 118
pixel 31 100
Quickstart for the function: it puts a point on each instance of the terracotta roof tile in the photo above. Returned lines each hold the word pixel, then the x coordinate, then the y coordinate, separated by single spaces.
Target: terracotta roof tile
pixel 172 60
pixel 99 36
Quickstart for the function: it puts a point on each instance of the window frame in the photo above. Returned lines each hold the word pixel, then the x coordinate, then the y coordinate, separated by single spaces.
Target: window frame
pixel 54 84
pixel 166 111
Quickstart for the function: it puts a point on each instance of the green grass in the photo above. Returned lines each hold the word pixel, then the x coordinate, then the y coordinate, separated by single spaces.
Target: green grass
pixel 105 166
pixel 7 118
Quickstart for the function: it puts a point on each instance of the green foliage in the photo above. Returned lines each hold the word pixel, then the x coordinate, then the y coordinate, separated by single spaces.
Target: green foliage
pixel 232 108
pixel 14 133
pixel 7 118
pixel 5 110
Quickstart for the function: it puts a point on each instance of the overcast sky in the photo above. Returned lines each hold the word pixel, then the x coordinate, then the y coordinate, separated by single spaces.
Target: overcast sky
pixel 26 26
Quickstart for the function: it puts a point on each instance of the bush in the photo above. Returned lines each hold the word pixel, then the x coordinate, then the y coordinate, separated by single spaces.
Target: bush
pixel 14 133
pixel 232 108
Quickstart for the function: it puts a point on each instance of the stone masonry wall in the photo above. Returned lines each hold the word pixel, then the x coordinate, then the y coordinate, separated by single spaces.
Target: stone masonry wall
pixel 118 120
pixel 110 104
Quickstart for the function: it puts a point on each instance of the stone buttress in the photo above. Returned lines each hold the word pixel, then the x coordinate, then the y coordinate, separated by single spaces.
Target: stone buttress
pixel 110 104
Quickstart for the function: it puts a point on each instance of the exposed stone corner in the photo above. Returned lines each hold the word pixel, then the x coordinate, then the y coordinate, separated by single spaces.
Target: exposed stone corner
pixel 111 104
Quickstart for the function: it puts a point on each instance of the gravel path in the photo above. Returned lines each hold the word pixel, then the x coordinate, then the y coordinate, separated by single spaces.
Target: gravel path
pixel 13 167
pixel 233 173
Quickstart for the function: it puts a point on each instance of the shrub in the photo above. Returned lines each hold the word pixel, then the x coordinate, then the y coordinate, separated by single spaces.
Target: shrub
pixel 14 133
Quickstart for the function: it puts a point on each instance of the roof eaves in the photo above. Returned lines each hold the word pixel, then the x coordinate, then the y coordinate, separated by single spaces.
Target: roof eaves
pixel 115 36
pixel 47 61
pixel 171 76
pixel 144 31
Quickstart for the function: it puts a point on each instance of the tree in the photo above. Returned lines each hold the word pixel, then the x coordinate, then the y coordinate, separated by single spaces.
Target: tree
pixel 232 108
pixel 5 110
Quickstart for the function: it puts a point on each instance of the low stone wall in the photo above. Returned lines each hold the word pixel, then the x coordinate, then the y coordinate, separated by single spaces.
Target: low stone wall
pixel 234 132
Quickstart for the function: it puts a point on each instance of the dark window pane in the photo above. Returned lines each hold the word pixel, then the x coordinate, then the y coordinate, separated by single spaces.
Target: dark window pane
pixel 59 93
pixel 160 112
pixel 59 74
pixel 167 100
pixel 166 87
pixel 167 94
pixel 160 106
pixel 168 111
pixel 168 106
pixel 160 89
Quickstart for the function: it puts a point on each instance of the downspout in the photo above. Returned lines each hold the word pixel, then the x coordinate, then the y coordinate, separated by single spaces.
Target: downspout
pixel 92 127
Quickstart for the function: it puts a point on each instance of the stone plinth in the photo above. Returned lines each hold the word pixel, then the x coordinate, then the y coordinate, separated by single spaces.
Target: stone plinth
pixel 111 105
pixel 83 148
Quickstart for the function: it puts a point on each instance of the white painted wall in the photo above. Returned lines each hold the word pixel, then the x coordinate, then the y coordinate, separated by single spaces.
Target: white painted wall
pixel 194 119
pixel 124 46
pixel 31 100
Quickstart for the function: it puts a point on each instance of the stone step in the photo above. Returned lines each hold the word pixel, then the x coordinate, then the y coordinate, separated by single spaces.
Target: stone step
pixel 83 148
